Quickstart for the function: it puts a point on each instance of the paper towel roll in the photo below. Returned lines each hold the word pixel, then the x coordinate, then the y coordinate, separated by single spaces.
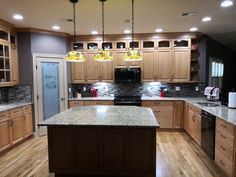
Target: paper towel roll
pixel 232 100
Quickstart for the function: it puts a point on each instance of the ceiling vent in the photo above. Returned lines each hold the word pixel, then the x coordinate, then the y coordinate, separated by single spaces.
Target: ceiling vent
pixel 185 14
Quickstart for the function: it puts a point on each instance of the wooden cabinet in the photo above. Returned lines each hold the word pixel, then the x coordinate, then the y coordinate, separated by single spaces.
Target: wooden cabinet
pixel 193 122
pixel 163 110
pixel 181 64
pixel 76 103
pixel 119 59
pixel 27 121
pixel 14 65
pixel 224 146
pixel 149 65
pixel 107 73
pixel 164 65
pixel 92 69
pixel 178 115
pixel 78 71
pixel 15 125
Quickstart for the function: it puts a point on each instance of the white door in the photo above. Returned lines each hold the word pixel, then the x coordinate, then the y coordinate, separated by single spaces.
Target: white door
pixel 50 88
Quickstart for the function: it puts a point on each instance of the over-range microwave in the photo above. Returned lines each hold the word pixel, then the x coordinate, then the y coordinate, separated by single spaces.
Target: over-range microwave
pixel 127 75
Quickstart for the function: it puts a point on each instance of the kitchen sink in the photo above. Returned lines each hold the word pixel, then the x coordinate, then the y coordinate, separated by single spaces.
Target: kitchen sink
pixel 208 104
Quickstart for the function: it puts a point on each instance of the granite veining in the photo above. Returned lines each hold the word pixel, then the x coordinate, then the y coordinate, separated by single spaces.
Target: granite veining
pixel 7 106
pixel 104 116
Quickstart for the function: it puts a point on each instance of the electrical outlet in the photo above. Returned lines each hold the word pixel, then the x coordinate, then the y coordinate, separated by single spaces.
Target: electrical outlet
pixel 177 88
pixel 196 88
pixel 84 89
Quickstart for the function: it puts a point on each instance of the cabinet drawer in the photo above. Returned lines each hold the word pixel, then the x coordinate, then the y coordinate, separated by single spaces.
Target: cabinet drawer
pixel 224 126
pixel 224 164
pixel 225 148
pixel 4 115
pixel 27 109
pixel 15 111
pixel 225 137
pixel 75 103
pixel 157 103
pixel 106 102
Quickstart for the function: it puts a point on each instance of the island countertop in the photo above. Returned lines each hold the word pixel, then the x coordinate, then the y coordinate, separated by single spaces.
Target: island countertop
pixel 104 116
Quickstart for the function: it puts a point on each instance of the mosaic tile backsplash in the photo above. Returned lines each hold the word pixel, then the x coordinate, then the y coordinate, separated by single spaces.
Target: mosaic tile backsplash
pixel 145 89
pixel 15 94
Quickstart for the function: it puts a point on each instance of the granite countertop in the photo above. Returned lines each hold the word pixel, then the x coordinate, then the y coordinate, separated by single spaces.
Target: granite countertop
pixel 91 98
pixel 129 116
pixel 7 106
pixel 221 111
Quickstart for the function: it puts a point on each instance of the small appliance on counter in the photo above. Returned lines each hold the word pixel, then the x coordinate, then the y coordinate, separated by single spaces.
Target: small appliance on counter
pixel 94 92
pixel 232 100
pixel 212 93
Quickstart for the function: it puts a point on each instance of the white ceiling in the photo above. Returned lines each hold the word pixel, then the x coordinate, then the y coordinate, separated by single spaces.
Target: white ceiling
pixel 149 15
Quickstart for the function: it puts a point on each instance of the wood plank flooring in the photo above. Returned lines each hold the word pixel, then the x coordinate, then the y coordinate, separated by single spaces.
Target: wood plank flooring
pixel 177 156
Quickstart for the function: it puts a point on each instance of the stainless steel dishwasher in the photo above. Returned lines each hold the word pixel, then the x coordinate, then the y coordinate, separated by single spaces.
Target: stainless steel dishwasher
pixel 208 133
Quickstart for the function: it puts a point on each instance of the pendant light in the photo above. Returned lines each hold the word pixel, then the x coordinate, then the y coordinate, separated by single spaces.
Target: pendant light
pixel 74 56
pixel 103 55
pixel 132 54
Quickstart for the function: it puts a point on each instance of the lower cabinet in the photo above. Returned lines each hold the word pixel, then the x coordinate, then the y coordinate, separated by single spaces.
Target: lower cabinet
pixel 193 122
pixel 15 125
pixel 224 146
pixel 75 103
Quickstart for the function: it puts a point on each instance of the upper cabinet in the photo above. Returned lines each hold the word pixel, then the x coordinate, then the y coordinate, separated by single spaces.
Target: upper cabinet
pixel 8 57
pixel 164 60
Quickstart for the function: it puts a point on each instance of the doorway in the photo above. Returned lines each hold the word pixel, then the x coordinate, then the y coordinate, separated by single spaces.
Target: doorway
pixel 50 88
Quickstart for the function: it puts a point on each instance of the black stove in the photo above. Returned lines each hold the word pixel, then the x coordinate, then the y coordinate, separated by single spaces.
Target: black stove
pixel 128 100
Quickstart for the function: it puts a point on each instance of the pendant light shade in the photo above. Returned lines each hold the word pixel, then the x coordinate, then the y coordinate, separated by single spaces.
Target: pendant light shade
pixel 133 54
pixel 103 55
pixel 74 56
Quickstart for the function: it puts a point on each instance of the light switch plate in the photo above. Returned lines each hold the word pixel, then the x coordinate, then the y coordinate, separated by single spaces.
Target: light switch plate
pixel 177 88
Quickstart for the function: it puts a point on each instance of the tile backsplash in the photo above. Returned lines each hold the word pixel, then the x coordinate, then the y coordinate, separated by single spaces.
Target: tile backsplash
pixel 20 93
pixel 145 89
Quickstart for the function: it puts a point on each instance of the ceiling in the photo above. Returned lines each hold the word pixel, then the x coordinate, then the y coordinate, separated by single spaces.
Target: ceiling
pixel 149 15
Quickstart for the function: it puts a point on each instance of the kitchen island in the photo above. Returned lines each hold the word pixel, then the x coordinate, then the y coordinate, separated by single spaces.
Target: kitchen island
pixel 102 141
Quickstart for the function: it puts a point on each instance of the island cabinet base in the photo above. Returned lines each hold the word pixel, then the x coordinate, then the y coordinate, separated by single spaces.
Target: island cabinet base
pixel 102 151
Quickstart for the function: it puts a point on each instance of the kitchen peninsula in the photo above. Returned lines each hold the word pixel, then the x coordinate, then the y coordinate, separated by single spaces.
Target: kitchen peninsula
pixel 102 140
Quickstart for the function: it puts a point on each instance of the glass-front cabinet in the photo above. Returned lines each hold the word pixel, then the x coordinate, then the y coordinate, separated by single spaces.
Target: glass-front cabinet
pixel 5 63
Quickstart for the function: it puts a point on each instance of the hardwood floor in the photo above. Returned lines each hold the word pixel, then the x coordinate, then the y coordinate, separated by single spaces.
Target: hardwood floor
pixel 177 156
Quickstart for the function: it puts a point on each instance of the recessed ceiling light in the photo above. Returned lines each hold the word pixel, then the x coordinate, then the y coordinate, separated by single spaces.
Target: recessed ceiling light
pixel 226 3
pixel 158 30
pixel 55 27
pixel 193 29
pixel 94 32
pixel 206 19
pixel 18 17
pixel 127 31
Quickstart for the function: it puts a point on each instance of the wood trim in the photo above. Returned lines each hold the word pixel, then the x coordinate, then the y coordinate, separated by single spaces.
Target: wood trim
pixel 6 23
pixel 42 31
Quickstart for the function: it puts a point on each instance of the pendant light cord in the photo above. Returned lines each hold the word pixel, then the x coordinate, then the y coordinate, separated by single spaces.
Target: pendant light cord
pixel 132 24
pixel 74 20
pixel 102 25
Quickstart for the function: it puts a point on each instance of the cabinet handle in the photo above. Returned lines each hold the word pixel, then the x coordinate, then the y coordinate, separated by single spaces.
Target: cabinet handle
pixel 222 136
pixel 222 148
pixel 222 163
pixel 222 125
pixel 157 111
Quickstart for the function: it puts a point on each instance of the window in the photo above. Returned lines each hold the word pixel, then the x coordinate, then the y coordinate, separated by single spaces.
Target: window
pixel 216 72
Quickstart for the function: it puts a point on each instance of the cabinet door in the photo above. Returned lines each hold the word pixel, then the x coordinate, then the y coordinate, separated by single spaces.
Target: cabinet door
pixel 4 135
pixel 190 122
pixel 17 128
pixel 107 71
pixel 181 65
pixel 164 65
pixel 78 72
pixel 27 122
pixel 92 68
pixel 14 66
pixel 178 114
pixel 148 65
pixel 197 129
pixel 119 59
pixel 186 116
pixel 164 115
